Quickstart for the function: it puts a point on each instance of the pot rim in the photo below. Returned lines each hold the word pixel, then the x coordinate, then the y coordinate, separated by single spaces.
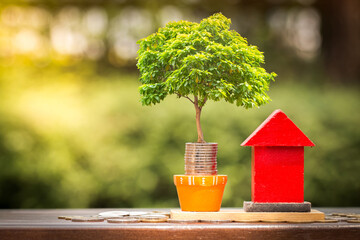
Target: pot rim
pixel 205 180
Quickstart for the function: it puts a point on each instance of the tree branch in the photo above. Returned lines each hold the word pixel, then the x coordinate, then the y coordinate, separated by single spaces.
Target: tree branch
pixel 186 98
pixel 205 99
pixel 201 103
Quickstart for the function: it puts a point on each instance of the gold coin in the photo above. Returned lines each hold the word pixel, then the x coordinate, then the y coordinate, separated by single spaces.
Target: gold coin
pixel 71 217
pixel 327 221
pixel 354 221
pixel 123 220
pixel 78 219
pixel 150 216
pixel 247 221
pixel 353 215
pixel 154 218
pixel 339 214
pixel 161 213
pixel 343 219
pixel 159 220
pixel 216 221
pixel 95 219
pixel 181 221
pixel 87 219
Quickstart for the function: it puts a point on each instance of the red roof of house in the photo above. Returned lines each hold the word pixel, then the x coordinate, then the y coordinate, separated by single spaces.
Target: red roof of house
pixel 277 130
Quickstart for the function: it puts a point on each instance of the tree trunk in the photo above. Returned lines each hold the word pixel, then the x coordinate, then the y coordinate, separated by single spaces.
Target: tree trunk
pixel 341 34
pixel 198 124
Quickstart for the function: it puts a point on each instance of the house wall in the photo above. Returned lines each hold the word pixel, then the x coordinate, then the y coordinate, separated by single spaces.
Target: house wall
pixel 277 174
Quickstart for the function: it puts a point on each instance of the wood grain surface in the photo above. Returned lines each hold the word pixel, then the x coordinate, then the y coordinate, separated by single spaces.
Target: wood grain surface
pixel 44 224
pixel 239 214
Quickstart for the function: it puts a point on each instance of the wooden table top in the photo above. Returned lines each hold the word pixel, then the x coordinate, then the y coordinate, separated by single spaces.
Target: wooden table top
pixel 44 224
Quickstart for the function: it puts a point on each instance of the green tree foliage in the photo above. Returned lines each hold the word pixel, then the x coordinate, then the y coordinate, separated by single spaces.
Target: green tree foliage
pixel 202 61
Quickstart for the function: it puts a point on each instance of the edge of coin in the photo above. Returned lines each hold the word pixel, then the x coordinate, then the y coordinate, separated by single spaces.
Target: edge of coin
pixel 123 220
pixel 79 219
pixel 327 221
pixel 95 219
pixel 155 218
pixel 71 217
pixel 354 221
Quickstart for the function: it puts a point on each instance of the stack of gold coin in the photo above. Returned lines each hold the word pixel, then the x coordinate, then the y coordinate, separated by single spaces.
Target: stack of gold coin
pixel 200 158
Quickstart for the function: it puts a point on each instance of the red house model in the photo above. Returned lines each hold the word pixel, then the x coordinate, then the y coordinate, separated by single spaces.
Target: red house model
pixel 277 163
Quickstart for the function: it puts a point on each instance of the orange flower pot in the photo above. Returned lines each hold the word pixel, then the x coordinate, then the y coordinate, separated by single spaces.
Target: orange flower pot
pixel 200 193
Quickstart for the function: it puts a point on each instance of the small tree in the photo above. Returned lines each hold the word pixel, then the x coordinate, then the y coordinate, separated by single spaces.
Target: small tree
pixel 200 62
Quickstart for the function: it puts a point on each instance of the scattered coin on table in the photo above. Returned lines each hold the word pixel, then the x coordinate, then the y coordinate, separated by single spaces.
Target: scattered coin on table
pixel 88 219
pixel 114 213
pixel 340 214
pixel 161 212
pixel 138 213
pixel 155 218
pixel 164 216
pixel 327 221
pixel 71 217
pixel 123 220
pixel 343 219
pixel 354 221
pixel 78 219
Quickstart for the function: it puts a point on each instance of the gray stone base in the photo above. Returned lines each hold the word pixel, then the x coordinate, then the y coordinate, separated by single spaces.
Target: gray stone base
pixel 277 207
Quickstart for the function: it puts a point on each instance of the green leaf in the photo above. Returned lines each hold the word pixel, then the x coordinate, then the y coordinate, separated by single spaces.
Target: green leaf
pixel 204 59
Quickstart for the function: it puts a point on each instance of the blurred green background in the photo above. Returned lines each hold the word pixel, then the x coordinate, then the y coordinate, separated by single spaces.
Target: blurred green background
pixel 73 133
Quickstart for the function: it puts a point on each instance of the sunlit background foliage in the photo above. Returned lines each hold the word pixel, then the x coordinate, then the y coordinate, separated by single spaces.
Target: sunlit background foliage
pixel 73 132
